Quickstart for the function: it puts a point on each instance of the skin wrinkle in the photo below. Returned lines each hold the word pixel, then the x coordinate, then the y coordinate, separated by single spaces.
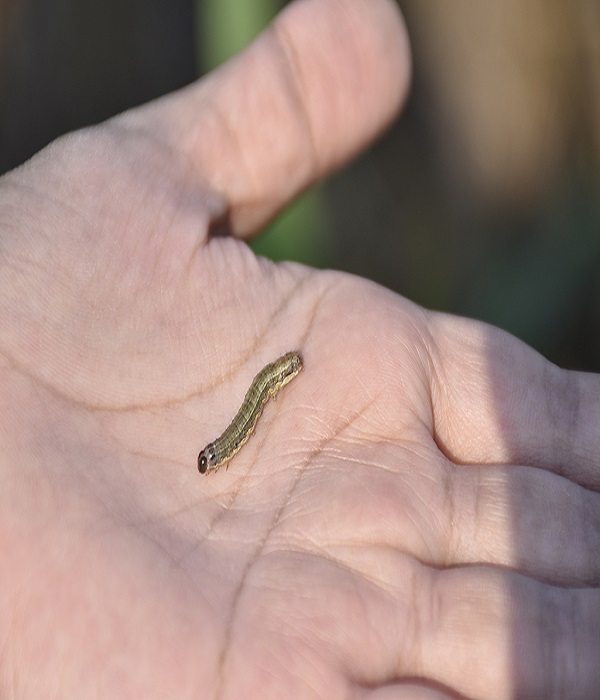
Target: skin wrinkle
pixel 579 522
pixel 548 617
pixel 380 584
pixel 312 312
pixel 590 535
pixel 222 119
pixel 449 480
pixel 219 226
pixel 154 405
pixel 261 336
pixel 226 506
pixel 118 441
pixel 294 107
pixel 554 615
pixel 563 408
pixel 220 672
pixel 478 502
pixel 419 688
pixel 138 527
pixel 296 90
pixel 108 506
pixel 381 587
pixel 46 194
pixel 230 623
pixel 8 628
pixel 438 397
pixel 280 312
pixel 173 514
pixel 214 204
pixel 573 623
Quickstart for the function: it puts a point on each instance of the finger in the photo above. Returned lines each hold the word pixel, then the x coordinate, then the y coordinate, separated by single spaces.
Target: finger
pixel 498 634
pixel 522 518
pixel 491 634
pixel 497 401
pixel 314 88
pixel 477 632
pixel 407 691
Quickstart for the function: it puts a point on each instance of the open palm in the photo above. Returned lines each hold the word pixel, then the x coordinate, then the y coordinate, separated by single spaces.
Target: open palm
pixel 371 540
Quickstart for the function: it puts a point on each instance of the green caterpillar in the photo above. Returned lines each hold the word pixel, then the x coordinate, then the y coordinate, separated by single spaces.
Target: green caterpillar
pixel 266 384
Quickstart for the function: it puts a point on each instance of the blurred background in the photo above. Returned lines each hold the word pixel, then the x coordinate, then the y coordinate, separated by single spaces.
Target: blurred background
pixel 483 199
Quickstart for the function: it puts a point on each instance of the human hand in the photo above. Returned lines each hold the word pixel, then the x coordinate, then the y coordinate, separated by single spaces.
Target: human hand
pixel 416 517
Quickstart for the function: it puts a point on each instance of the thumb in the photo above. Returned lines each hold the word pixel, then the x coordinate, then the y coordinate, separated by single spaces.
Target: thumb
pixel 314 88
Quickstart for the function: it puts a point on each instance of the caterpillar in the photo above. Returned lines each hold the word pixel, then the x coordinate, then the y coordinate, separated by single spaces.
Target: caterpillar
pixel 266 384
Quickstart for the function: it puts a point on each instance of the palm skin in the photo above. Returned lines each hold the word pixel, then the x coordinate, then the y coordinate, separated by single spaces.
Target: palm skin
pixel 373 539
